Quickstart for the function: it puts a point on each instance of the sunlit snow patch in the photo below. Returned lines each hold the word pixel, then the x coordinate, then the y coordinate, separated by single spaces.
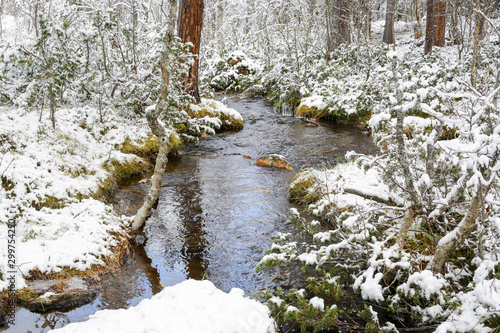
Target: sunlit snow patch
pixel 190 306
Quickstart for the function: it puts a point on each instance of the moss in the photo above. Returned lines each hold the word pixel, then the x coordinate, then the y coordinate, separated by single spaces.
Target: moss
pixel 311 112
pixel 228 122
pixel 174 144
pixel 300 189
pixel 49 202
pixel 148 149
pixel 127 169
pixel 359 118
pixel 7 184
pixel 105 188
pixel 25 295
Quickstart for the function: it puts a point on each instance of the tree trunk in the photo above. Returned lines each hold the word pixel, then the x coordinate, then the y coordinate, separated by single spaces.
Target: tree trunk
pixel 418 27
pixel 339 17
pixel 389 22
pixel 462 232
pixel 477 36
pixel 189 30
pixel 158 129
pixel 429 28
pixel 52 106
pixel 440 22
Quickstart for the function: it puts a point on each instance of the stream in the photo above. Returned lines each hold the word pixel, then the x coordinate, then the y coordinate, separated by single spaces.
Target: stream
pixel 216 211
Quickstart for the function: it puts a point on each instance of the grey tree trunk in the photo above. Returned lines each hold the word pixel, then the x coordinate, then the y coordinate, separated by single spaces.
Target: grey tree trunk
pixel 462 232
pixel 477 37
pixel 389 22
pixel 158 129
pixel 404 163
pixel 429 28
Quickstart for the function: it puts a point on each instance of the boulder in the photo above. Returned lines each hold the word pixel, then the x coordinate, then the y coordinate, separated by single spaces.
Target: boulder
pixel 274 161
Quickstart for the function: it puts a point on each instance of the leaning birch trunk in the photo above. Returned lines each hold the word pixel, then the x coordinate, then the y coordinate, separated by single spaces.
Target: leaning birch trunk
pixel 158 128
pixel 461 233
pixel 161 163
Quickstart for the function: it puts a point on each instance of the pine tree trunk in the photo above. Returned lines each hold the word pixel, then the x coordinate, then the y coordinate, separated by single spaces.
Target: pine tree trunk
pixel 189 30
pixel 440 22
pixel 429 28
pixel 389 22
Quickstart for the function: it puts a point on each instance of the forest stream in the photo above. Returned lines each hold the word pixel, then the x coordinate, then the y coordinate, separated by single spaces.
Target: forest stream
pixel 217 210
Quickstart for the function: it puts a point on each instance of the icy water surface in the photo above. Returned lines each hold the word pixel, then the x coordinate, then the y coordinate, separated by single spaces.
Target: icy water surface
pixel 216 210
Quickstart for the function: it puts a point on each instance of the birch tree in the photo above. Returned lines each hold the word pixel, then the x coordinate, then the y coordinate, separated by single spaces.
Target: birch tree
pixel 157 127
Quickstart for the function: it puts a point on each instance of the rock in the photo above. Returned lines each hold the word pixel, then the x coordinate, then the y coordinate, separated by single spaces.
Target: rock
pixel 66 301
pixel 274 161
pixel 140 239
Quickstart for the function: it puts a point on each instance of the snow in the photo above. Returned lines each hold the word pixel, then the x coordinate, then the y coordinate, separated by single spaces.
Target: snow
pixel 317 303
pixel 219 108
pixel 370 288
pixel 428 283
pixel 315 101
pixel 190 306
pixel 63 164
pixel 345 176
pixel 66 164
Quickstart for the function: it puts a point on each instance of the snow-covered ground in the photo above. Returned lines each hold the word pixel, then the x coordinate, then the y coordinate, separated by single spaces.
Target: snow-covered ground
pixel 64 167
pixel 189 307
pixel 41 166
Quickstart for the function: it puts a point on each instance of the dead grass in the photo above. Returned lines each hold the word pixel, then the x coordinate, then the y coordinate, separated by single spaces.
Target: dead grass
pixel 302 190
pixel 121 252
pixel 311 112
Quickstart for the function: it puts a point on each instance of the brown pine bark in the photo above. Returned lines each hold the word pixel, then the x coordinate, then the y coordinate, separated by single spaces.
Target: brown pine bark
pixel 389 22
pixel 440 22
pixel 429 28
pixel 189 30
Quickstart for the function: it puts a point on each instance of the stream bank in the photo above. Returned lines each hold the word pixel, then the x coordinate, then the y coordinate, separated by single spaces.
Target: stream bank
pixel 217 210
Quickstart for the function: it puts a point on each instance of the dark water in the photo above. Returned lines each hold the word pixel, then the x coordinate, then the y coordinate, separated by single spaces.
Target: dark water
pixel 216 210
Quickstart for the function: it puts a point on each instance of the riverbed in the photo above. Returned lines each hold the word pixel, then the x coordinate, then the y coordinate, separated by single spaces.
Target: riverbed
pixel 217 210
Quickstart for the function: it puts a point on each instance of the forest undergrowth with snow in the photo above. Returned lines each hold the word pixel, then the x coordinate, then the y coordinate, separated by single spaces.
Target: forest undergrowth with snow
pixel 413 231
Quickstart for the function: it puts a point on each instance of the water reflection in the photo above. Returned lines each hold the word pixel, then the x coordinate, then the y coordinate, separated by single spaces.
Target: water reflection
pixel 216 211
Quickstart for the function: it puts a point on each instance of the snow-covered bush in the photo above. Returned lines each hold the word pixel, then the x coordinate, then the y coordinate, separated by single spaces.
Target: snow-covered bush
pixel 236 72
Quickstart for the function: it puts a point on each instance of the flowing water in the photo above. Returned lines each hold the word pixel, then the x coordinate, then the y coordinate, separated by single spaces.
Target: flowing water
pixel 216 211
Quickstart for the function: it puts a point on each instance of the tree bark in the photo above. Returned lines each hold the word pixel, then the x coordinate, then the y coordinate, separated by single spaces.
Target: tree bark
pixel 403 160
pixel 189 30
pixel 429 28
pixel 389 22
pixel 462 232
pixel 418 27
pixel 477 37
pixel 440 22
pixel 339 21
pixel 157 128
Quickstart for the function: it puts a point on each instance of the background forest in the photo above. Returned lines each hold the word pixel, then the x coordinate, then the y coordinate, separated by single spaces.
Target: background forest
pixel 414 231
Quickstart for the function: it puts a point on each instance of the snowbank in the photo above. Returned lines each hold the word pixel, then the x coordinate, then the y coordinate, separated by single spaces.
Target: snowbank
pixel 190 306
pixel 48 178
pixel 51 179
